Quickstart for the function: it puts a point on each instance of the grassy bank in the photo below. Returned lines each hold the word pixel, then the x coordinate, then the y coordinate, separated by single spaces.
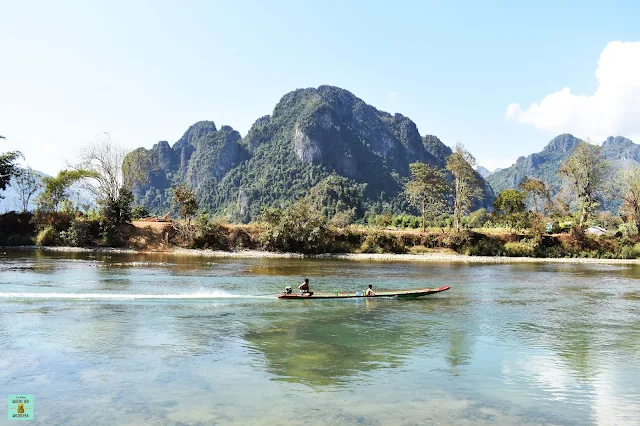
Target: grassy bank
pixel 311 239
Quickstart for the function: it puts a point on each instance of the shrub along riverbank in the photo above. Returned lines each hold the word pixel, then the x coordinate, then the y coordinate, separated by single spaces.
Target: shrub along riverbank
pixel 292 232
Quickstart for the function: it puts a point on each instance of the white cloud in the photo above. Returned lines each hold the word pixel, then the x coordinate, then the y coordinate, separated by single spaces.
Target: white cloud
pixel 393 96
pixel 613 109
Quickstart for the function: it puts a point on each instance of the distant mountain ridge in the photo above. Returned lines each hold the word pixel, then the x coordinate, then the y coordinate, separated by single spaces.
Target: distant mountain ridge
pixel 311 135
pixel 545 165
pixel 542 165
pixel 483 171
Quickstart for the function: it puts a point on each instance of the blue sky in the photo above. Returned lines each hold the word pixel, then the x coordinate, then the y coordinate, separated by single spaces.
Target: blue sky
pixel 144 71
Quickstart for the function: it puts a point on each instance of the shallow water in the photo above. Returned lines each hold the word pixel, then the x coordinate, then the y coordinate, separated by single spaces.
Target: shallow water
pixel 152 339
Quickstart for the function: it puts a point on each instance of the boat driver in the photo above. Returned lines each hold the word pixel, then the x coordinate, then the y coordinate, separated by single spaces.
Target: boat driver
pixel 304 287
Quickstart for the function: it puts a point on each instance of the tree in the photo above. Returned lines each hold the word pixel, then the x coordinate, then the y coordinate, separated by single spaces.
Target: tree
pixel 27 182
pixel 8 168
pixel 467 184
pixel 509 201
pixel 103 160
pixel 536 191
pixel 55 188
pixel 120 210
pixel 297 228
pixel 185 199
pixel 586 172
pixel 509 205
pixel 630 192
pixel 427 190
pixel 113 177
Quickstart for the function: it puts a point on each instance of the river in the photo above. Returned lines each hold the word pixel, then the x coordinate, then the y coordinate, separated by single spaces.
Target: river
pixel 160 339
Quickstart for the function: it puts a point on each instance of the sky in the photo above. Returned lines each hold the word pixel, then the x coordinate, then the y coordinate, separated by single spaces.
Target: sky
pixel 503 78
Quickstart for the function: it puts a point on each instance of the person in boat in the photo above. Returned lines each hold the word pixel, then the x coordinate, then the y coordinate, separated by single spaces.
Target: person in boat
pixel 369 291
pixel 304 287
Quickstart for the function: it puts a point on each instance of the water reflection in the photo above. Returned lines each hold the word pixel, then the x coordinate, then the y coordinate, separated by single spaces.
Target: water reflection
pixel 323 348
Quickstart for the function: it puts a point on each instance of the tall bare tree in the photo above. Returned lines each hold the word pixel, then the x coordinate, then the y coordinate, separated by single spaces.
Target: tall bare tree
pixel 630 193
pixel 427 190
pixel 586 172
pixel 27 182
pixel 112 174
pixel 103 160
pixel 468 187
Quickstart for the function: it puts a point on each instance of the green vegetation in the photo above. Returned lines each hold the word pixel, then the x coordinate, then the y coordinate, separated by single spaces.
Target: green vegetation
pixel 328 173
pixel 296 228
pixel 185 200
pixel 8 168
pixel 586 171
pixel 467 186
pixel 323 143
pixel 427 190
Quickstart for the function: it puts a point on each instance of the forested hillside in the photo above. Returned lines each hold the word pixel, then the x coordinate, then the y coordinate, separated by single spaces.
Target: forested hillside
pixel 321 142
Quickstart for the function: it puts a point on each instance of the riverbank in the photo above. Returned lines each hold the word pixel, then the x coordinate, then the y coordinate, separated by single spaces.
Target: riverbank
pixel 373 257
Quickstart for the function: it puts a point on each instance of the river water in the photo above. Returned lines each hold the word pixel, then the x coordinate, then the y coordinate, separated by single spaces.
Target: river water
pixel 152 339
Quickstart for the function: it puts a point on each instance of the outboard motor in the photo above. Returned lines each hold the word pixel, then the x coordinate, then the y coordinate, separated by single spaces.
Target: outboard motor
pixel 287 290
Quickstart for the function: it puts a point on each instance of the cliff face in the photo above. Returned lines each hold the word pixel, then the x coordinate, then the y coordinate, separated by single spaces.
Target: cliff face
pixel 543 165
pixel 312 134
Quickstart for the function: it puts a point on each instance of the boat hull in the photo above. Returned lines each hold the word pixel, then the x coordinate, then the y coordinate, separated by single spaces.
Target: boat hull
pixel 403 294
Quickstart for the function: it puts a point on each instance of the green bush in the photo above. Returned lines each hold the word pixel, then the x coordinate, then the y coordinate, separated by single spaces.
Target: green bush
pixel 16 229
pixel 477 219
pixel 297 228
pixel 47 236
pixel 518 249
pixel 209 234
pixel 483 247
pixel 139 212
pixel 630 252
pixel 81 233
pixel 108 234
pixel 381 242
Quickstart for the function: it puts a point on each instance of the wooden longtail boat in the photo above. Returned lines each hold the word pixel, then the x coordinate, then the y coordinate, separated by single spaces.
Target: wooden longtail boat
pixel 405 294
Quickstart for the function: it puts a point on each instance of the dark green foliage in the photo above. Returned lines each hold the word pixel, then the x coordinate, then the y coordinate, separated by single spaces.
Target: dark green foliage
pixel 109 234
pixel 16 229
pixel 8 168
pixel 81 233
pixel 119 211
pixel 336 194
pixel 297 228
pixel 139 212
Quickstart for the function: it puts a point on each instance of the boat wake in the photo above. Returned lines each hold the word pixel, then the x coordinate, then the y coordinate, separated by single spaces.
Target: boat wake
pixel 215 294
